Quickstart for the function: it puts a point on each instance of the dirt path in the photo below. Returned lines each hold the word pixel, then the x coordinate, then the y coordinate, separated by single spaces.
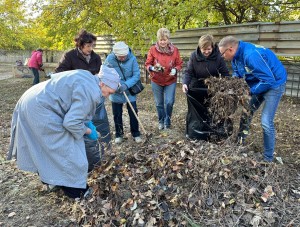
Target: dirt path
pixel 5 71
pixel 4 76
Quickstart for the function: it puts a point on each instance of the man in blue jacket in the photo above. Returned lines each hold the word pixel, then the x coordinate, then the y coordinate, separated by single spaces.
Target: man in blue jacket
pixel 266 77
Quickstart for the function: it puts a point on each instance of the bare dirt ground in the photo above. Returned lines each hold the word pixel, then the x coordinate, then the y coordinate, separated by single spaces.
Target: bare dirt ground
pixel 5 71
pixel 118 198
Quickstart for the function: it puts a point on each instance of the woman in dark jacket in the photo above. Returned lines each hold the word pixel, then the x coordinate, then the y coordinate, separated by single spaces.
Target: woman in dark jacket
pixel 206 61
pixel 83 57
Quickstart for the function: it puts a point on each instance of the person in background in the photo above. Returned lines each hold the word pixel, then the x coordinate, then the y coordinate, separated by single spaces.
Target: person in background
pixel 124 62
pixel 204 62
pixel 50 121
pixel 266 77
pixel 163 63
pixel 35 64
pixel 84 57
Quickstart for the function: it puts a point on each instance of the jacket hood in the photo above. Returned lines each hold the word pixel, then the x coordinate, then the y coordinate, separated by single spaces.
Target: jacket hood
pixel 212 56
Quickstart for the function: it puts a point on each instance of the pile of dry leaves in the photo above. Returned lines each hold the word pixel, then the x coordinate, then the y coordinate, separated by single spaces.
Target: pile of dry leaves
pixel 182 182
pixel 227 95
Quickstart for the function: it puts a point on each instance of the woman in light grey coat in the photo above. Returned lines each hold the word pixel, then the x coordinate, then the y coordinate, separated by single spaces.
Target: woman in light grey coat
pixel 49 122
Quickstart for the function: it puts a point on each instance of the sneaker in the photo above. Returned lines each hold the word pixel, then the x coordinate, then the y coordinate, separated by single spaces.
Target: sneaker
pixel 119 140
pixel 138 139
pixel 161 126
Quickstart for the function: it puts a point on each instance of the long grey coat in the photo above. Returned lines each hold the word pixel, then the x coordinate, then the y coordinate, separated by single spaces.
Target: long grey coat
pixel 48 127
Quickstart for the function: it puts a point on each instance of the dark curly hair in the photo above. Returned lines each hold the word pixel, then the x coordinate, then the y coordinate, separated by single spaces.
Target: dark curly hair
pixel 84 37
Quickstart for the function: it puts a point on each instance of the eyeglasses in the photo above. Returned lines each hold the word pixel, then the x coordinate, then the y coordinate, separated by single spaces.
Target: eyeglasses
pixel 225 51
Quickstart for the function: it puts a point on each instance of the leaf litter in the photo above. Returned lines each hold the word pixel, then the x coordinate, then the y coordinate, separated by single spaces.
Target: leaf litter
pixel 172 181
pixel 183 182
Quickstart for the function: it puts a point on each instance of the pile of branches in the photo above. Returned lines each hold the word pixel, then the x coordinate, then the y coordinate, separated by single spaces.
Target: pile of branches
pixel 226 95
pixel 189 184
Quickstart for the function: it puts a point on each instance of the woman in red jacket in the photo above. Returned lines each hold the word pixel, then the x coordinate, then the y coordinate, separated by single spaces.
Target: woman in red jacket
pixel 163 63
pixel 35 64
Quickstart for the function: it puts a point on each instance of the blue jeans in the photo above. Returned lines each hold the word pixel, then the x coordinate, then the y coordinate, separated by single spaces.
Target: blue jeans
pixel 271 100
pixel 117 109
pixel 100 120
pixel 164 97
pixel 36 75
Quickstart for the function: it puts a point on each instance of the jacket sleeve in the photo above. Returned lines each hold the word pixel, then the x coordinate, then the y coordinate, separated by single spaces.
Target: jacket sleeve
pixel 98 66
pixel 260 70
pixel 135 74
pixel 189 72
pixel 178 61
pixel 150 59
pixel 39 59
pixel 235 71
pixel 65 63
pixel 83 105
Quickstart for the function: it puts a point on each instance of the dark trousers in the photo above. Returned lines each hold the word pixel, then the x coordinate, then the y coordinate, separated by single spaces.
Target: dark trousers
pixel 117 109
pixel 95 149
pixel 36 75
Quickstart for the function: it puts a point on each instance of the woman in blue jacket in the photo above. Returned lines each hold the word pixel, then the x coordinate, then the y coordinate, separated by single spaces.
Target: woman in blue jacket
pixel 266 77
pixel 125 63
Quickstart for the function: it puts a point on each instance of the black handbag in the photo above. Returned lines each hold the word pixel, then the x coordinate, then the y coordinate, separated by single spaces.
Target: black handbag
pixel 135 89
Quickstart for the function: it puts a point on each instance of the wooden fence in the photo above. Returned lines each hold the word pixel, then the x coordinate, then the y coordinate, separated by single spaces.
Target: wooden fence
pixel 283 38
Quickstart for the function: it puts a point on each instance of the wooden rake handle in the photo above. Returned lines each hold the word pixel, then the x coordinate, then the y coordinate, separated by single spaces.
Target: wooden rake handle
pixel 140 123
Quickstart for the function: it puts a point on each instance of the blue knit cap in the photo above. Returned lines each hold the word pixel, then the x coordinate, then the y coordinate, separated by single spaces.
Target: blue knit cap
pixel 109 77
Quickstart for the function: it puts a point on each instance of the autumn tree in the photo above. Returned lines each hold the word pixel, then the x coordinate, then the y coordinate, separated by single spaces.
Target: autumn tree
pixel 12 22
pixel 134 21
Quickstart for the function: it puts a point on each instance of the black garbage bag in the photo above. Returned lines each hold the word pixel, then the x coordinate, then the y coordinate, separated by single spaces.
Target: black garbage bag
pixel 199 121
pixel 197 118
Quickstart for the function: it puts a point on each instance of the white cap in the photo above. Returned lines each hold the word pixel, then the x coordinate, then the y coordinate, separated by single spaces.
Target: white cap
pixel 120 49
pixel 109 77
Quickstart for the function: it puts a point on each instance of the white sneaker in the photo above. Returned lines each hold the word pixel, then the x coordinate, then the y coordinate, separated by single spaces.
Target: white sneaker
pixel 138 139
pixel 161 126
pixel 119 140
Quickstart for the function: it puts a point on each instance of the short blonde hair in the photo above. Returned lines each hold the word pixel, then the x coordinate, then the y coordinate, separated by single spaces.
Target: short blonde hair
pixel 163 33
pixel 206 41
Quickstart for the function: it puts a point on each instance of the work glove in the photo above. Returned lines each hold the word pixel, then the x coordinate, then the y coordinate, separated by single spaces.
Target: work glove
pixel 185 88
pixel 173 72
pixel 94 134
pixel 122 88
